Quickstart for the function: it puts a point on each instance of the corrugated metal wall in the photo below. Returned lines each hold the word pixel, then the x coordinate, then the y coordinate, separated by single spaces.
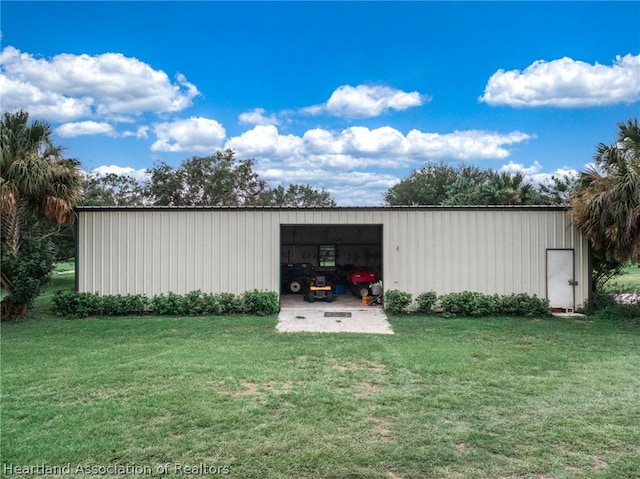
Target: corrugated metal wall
pixel 490 250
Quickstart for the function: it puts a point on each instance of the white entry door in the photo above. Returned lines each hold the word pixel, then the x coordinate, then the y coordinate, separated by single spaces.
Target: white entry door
pixel 560 281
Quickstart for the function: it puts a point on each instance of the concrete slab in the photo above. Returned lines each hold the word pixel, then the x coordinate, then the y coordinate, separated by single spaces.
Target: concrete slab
pixel 569 315
pixel 345 315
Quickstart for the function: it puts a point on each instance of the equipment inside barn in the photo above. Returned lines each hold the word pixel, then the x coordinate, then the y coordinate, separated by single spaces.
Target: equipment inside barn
pixel 319 289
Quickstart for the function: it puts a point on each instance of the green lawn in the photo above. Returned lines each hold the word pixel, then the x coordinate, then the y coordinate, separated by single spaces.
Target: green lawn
pixel 442 398
pixel 629 280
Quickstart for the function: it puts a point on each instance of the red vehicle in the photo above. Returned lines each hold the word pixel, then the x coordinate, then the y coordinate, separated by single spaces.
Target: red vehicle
pixel 360 280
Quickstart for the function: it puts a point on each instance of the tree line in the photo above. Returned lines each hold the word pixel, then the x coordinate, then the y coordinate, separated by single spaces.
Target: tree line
pixel 39 189
pixel 466 185
pixel 216 180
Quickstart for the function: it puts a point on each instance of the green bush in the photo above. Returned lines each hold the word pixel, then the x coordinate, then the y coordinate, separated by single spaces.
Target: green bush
pixel 261 303
pixel 426 302
pixel 79 305
pixel 469 303
pixel 524 305
pixel 31 270
pixel 122 305
pixel 194 303
pixel 397 302
pixel 604 306
pixel 169 304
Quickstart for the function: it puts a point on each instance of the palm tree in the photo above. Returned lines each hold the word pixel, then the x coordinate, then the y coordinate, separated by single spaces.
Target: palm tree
pixel 36 183
pixel 507 189
pixel 606 201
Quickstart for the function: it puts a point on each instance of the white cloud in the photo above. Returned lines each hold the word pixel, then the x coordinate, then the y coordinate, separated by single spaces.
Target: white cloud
pixel 463 145
pixel 385 146
pixel 266 141
pixel 80 128
pixel 141 132
pixel 197 135
pixel 566 83
pixel 351 188
pixel 366 101
pixel 20 95
pixel 338 161
pixel 535 173
pixel 140 175
pixel 257 117
pixel 69 86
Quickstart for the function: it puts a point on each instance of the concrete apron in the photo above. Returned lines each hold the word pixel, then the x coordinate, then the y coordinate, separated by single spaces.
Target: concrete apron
pixel 346 314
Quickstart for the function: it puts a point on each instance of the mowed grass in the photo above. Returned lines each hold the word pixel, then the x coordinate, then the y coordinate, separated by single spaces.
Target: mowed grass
pixel 629 280
pixel 442 398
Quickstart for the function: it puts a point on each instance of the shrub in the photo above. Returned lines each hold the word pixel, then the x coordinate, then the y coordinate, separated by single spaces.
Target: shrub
pixel 228 303
pixel 30 271
pixel 74 304
pixel 397 302
pixel 426 302
pixel 194 303
pixel 524 305
pixel 261 303
pixel 606 306
pixel 469 303
pixel 169 304
pixel 122 305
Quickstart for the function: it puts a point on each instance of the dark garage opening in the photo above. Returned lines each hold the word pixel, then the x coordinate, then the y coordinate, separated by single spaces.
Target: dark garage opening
pixel 338 253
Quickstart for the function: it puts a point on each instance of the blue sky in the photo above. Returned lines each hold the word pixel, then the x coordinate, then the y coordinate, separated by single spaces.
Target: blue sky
pixel 349 97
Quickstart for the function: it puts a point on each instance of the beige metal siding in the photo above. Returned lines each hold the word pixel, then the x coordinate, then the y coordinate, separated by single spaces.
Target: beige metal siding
pixel 490 250
pixel 137 251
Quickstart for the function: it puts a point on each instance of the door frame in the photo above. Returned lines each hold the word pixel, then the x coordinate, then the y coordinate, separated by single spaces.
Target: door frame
pixel 573 275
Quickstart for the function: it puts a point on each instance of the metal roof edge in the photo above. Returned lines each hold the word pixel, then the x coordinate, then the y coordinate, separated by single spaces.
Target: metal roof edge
pixel 334 208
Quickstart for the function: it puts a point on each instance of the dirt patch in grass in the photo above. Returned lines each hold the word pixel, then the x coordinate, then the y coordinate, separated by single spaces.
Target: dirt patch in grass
pixel 363 366
pixel 367 389
pixel 382 427
pixel 250 388
pixel 599 464
pixel 461 448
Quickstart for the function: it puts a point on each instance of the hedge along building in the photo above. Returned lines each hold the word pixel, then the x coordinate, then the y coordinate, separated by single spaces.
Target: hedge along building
pixel 503 250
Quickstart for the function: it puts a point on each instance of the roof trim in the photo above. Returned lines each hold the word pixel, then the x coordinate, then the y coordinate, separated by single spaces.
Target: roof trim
pixel 336 208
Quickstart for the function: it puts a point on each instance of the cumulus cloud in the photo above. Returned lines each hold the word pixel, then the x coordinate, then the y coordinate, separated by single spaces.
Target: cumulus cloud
pixel 197 135
pixel 140 132
pixel 140 175
pixel 257 117
pixel 464 145
pixel 566 83
pixel 21 95
pixel 382 147
pixel 366 101
pixel 81 128
pixel 266 141
pixel 349 188
pixel 535 173
pixel 69 86
pixel 338 160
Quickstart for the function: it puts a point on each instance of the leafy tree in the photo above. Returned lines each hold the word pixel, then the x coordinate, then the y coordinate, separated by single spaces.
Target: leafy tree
pixel 216 180
pixel 112 190
pixel 606 201
pixel 297 195
pixel 433 184
pixel 508 189
pixel 558 191
pixel 36 184
pixel 440 184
